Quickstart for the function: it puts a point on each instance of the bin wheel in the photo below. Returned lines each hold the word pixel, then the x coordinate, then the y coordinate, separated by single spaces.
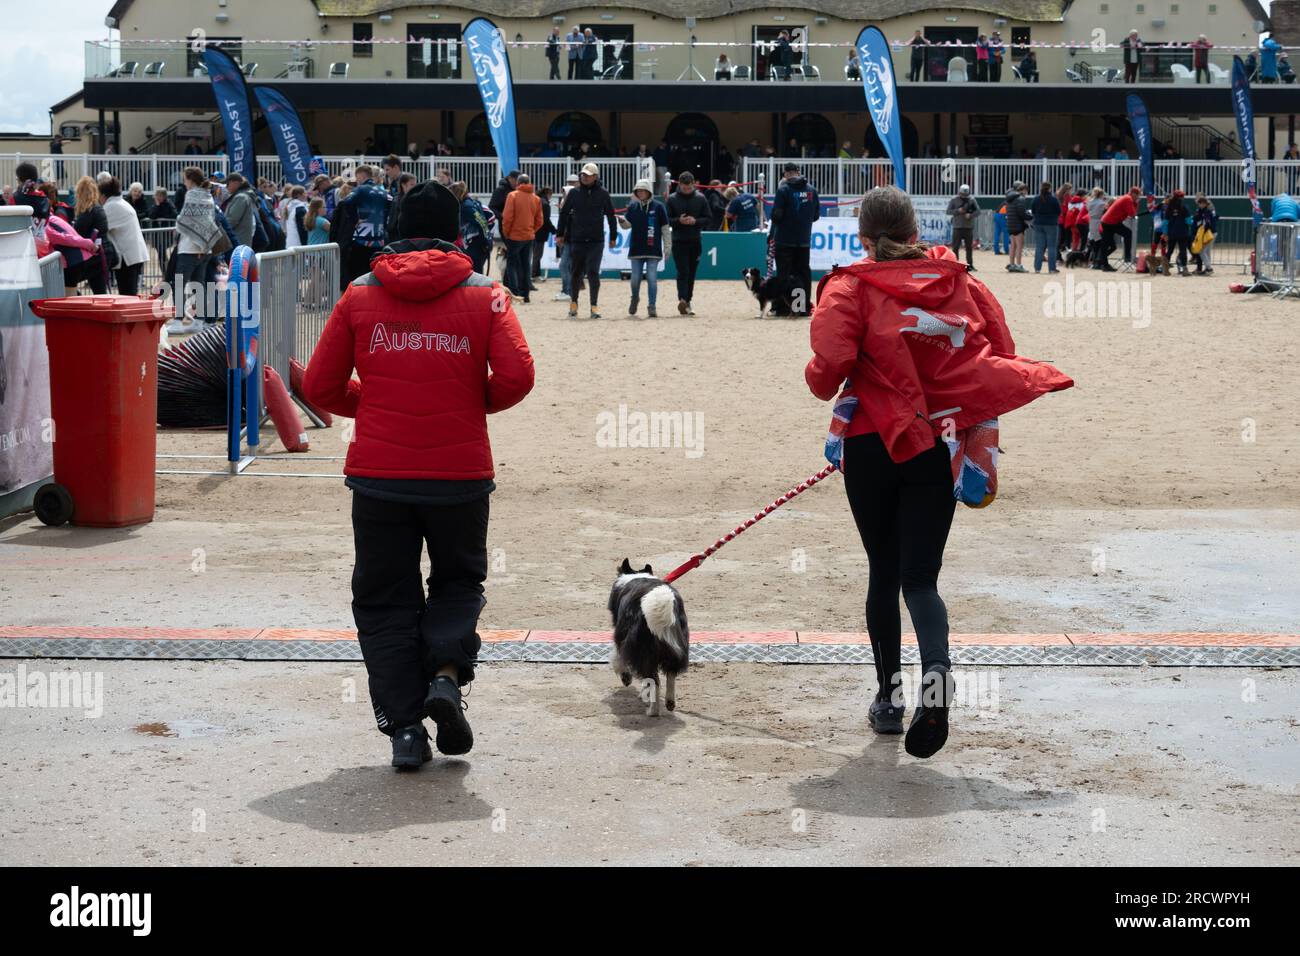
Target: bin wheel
pixel 53 505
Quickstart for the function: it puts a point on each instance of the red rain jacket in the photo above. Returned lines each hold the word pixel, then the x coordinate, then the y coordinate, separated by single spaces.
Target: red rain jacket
pixel 922 343
pixel 437 348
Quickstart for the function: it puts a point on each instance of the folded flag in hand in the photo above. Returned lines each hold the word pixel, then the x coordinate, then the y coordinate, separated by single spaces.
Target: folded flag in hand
pixel 974 455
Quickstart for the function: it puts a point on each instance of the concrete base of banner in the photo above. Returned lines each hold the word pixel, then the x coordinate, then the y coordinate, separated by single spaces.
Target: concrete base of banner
pixel 20 500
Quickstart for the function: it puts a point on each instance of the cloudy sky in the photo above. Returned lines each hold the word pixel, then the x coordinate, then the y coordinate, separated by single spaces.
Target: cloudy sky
pixel 45 59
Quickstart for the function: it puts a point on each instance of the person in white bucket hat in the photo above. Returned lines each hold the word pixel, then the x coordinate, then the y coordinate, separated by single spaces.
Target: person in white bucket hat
pixel 645 220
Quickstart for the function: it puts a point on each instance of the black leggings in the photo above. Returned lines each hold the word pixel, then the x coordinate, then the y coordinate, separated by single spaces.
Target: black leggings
pixel 903 513
pixel 406 637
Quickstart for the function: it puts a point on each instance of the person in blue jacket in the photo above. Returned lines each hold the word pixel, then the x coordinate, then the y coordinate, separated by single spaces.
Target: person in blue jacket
pixel 645 218
pixel 1046 211
pixel 795 208
pixel 476 225
pixel 1268 60
pixel 742 210
pixel 370 200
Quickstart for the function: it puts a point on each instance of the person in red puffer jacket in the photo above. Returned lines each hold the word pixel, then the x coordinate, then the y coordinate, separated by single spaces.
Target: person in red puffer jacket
pixel 926 350
pixel 437 348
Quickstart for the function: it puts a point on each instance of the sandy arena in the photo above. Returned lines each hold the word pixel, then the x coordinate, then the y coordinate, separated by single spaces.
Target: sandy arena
pixel 1156 495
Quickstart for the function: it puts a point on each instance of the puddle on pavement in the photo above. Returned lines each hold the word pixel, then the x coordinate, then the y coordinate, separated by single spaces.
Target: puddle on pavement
pixel 184 729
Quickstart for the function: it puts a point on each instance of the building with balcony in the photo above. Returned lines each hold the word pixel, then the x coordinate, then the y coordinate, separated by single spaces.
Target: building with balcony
pixel 378 75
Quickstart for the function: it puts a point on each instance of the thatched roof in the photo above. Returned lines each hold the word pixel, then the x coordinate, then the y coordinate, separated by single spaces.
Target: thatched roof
pixel 866 10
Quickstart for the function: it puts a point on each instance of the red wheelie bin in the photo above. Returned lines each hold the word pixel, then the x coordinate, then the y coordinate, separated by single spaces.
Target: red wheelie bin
pixel 104 401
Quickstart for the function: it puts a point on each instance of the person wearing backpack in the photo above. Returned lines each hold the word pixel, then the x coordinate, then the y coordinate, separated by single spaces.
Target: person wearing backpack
pixel 241 210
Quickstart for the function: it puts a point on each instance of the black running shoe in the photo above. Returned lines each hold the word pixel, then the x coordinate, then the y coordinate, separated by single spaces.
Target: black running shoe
pixel 411 747
pixel 446 708
pixel 884 717
pixel 928 731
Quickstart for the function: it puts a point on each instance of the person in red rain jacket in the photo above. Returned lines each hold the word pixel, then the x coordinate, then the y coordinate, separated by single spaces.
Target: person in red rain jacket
pixel 1114 223
pixel 1076 220
pixel 925 349
pixel 437 348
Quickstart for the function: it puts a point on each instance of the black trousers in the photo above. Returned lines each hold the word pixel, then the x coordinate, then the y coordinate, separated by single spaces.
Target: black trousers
pixel 128 279
pixel 406 636
pixel 1183 244
pixel 584 260
pixel 356 263
pixel 917 65
pixel 1108 233
pixel 964 237
pixel 539 247
pixel 686 259
pixel 573 67
pixel 792 261
pixel 555 68
pixel 519 261
pixel 903 513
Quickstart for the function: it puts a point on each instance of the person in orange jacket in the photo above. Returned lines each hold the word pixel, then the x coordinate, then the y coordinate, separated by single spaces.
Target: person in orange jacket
pixel 520 223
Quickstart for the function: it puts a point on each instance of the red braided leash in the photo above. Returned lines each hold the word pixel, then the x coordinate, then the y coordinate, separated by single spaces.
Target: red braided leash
pixel 697 559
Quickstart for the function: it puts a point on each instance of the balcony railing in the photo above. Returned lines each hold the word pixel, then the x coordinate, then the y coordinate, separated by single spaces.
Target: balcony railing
pixel 335 61
pixel 988 178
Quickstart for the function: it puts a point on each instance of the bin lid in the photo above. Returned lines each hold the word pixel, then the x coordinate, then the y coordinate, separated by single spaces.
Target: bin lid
pixel 109 309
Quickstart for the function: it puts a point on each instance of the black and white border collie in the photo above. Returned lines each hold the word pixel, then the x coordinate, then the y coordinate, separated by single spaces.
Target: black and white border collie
pixel 650 634
pixel 777 291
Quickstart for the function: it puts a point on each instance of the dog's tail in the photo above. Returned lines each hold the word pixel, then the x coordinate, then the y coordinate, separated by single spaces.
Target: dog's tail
pixel 661 608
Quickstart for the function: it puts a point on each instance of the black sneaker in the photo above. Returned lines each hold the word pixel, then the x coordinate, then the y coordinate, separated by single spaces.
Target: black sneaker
pixel 411 747
pixel 884 717
pixel 928 731
pixel 446 708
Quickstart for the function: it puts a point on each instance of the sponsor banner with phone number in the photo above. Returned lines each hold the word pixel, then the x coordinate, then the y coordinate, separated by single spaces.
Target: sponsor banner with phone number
pixel 835 240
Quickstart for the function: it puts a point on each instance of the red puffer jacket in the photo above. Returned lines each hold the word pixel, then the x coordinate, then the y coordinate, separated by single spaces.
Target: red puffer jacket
pixel 437 347
pixel 923 344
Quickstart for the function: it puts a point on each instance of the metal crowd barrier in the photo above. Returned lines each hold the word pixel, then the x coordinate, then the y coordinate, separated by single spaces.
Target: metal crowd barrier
pixel 1276 254
pixel 1233 243
pixel 158 241
pixel 52 276
pixel 297 290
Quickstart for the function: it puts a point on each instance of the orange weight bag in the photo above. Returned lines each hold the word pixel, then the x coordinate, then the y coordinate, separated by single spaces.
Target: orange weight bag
pixel 283 412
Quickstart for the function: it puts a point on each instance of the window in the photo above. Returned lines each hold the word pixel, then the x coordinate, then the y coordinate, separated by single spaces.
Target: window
pixel 950 42
pixel 614 50
pixel 362 35
pixel 435 53
pixel 765 43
